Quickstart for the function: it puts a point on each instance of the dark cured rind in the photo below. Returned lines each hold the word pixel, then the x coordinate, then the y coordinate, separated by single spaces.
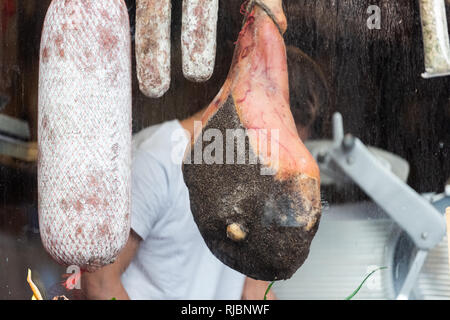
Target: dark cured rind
pixel 223 194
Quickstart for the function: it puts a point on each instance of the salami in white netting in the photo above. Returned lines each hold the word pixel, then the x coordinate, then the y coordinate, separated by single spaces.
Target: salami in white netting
pixel 85 131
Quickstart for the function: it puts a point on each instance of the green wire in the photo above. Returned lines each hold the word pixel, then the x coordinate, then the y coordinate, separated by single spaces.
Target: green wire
pixel 349 297
pixel 268 289
pixel 362 283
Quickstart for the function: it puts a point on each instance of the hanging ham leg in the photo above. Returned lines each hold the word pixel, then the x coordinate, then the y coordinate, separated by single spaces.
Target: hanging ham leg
pixel 85 131
pixel 153 46
pixel 258 218
pixel 198 38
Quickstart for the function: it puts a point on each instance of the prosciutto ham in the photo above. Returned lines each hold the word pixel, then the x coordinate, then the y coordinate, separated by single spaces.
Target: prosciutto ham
pixel 256 217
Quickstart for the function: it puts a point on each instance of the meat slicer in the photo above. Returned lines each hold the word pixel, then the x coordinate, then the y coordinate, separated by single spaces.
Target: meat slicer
pixel 397 228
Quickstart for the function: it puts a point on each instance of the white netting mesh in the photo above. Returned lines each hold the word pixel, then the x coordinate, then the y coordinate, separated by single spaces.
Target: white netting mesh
pixel 85 131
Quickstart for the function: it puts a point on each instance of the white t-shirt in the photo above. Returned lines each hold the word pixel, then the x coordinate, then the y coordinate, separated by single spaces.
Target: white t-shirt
pixel 173 261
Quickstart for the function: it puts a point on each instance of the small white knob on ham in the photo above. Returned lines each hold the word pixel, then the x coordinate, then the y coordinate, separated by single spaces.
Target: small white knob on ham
pixel 85 131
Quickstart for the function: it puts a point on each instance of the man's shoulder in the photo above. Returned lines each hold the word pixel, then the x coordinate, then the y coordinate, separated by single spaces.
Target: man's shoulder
pixel 154 134
pixel 156 140
pixel 163 144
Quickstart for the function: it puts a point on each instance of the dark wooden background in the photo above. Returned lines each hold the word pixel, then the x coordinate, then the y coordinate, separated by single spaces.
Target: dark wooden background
pixel 374 78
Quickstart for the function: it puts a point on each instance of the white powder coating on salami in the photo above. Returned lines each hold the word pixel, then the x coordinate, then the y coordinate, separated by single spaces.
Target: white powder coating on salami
pixel 153 18
pixel 198 38
pixel 84 131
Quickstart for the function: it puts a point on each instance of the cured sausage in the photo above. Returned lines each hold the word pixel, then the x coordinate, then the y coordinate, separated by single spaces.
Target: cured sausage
pixel 435 38
pixel 198 38
pixel 258 208
pixel 84 131
pixel 153 18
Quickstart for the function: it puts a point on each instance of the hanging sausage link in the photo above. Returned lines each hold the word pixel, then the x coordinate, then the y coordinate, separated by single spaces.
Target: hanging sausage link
pixel 153 46
pixel 198 38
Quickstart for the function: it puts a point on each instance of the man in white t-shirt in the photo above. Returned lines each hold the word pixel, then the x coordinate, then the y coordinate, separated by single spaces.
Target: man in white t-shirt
pixel 165 256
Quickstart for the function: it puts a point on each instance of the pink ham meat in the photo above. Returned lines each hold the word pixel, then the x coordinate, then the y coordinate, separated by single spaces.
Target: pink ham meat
pixel 198 38
pixel 85 131
pixel 258 223
pixel 153 46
